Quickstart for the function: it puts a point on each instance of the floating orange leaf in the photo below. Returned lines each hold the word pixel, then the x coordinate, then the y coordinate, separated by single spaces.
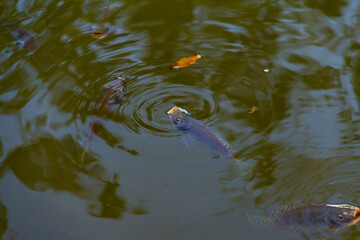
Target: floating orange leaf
pixel 185 62
pixel 253 109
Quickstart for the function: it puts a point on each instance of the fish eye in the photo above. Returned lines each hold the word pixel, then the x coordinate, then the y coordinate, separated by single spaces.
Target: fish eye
pixel 20 43
pixel 340 217
pixel 178 119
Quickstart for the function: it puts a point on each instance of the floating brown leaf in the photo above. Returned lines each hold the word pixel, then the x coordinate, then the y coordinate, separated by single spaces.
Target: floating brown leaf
pixel 185 62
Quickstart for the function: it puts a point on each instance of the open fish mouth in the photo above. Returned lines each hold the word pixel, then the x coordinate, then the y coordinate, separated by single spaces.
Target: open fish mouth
pixel 357 213
pixel 174 110
pixel 356 217
pixel 171 111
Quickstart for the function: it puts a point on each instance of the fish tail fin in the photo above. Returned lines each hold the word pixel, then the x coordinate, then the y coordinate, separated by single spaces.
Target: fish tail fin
pixel 242 167
pixel 84 142
pixel 83 146
pixel 82 156
pixel 79 160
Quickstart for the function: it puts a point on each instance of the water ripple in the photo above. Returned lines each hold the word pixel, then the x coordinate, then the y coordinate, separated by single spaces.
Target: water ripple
pixel 147 104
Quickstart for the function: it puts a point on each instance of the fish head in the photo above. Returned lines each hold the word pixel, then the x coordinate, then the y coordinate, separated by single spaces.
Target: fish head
pixel 30 45
pixel 341 215
pixel 26 40
pixel 115 90
pixel 20 43
pixel 179 117
pixel 98 31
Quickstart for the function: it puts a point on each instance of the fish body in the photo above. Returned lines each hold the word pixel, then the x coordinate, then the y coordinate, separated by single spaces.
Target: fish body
pixel 100 30
pixel 200 132
pixel 114 93
pixel 203 134
pixel 23 39
pixel 309 217
pixel 185 62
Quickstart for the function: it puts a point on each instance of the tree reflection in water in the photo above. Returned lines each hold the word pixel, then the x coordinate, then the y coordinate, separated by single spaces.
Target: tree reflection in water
pixel 3 220
pixel 110 205
pixel 47 163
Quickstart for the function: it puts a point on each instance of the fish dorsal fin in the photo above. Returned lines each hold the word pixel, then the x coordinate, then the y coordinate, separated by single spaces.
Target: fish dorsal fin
pixel 280 211
pixel 293 230
pixel 265 222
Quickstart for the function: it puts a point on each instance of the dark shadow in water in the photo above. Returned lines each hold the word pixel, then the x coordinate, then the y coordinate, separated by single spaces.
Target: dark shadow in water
pixel 331 8
pixel 24 93
pixel 1 148
pixel 66 103
pixel 3 220
pixel 46 163
pixel 164 21
pixel 113 141
pixel 110 205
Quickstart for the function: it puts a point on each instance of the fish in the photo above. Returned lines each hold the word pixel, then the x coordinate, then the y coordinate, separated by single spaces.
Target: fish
pixel 23 39
pixel 185 62
pixel 100 30
pixel 190 126
pixel 114 93
pixel 309 217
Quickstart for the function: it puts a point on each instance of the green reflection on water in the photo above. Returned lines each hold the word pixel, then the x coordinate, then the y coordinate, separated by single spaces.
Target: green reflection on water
pixel 305 133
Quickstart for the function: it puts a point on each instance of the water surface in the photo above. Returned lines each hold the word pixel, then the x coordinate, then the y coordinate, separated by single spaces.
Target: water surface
pixel 296 61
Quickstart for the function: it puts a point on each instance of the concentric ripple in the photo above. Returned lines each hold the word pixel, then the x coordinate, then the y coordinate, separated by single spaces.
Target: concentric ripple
pixel 147 103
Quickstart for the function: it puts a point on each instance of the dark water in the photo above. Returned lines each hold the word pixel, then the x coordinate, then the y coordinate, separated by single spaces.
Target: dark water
pixel 296 61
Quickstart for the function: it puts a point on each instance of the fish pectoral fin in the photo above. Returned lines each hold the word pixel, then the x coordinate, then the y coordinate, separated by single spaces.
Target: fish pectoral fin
pixel 214 153
pixel 187 141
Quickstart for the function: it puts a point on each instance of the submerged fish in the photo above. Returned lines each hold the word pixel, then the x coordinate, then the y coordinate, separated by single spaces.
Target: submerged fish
pixel 309 217
pixel 200 132
pixel 99 31
pixel 114 93
pixel 185 62
pixel 23 39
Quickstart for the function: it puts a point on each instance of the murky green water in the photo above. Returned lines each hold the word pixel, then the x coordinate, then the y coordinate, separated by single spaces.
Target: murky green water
pixel 296 61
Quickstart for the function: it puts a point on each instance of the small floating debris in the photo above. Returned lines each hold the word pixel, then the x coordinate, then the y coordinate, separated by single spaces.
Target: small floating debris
pixel 253 109
pixel 266 70
pixel 185 62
